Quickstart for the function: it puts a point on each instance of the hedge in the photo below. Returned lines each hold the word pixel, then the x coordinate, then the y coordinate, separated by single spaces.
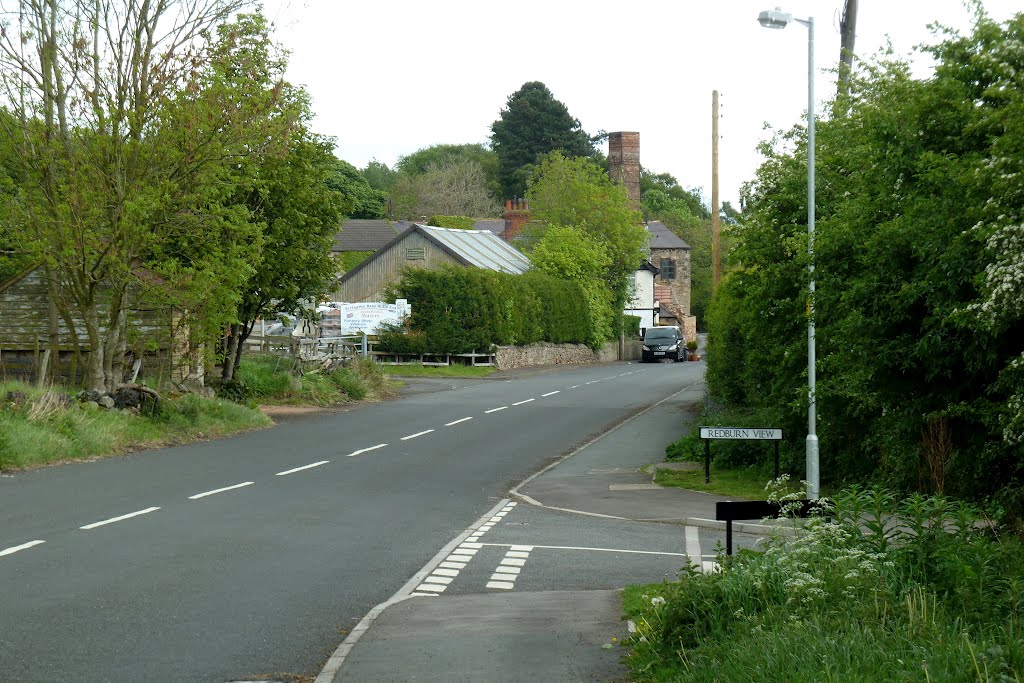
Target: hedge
pixel 460 310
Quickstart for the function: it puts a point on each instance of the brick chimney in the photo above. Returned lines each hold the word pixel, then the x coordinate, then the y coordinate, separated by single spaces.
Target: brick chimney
pixel 624 163
pixel 517 214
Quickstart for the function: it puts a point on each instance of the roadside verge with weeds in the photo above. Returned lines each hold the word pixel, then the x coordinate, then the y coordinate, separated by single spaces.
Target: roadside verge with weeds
pixel 43 426
pixel 268 379
pixel 880 590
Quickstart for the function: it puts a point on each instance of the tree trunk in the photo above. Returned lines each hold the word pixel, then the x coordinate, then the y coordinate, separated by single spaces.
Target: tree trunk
pixel 230 354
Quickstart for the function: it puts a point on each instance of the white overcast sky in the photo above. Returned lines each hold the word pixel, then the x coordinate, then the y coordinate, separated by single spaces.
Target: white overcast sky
pixel 389 77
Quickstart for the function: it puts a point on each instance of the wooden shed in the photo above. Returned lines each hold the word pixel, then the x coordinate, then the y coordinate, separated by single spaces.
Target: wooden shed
pixel 426 246
pixel 24 336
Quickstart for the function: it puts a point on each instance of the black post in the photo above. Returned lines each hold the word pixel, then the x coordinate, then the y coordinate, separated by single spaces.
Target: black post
pixel 707 461
pixel 728 537
pixel 776 459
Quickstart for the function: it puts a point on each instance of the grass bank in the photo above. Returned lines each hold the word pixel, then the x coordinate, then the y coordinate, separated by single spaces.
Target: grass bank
pixel 268 379
pixel 854 599
pixel 40 427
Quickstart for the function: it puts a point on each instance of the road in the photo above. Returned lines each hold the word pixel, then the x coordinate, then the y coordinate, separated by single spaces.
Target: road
pixel 253 556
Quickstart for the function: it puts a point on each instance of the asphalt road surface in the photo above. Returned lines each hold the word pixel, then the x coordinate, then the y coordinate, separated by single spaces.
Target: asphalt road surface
pixel 253 556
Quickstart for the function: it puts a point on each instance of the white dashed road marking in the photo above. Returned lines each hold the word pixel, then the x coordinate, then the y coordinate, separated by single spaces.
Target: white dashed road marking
pixel 505 575
pixel 366 450
pixel 693 546
pixel 449 569
pixel 118 519
pixel 18 548
pixel 304 467
pixel 494 410
pixel 550 393
pixel 522 402
pixel 413 436
pixel 449 424
pixel 220 491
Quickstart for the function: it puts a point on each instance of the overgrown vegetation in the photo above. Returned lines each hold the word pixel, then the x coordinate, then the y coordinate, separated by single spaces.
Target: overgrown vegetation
pixel 878 591
pixel 273 379
pixel 43 426
pixel 919 310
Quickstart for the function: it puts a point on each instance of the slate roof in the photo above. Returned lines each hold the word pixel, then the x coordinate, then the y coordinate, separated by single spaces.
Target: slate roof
pixel 663 238
pixel 367 235
pixel 493 225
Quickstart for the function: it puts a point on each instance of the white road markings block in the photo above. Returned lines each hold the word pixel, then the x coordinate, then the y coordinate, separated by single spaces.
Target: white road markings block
pixel 452 565
pixel 18 548
pixel 446 572
pixel 506 573
pixel 434 587
pixel 445 580
pixel 118 519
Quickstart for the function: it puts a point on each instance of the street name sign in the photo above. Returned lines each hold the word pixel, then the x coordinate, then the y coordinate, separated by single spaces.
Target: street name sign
pixel 748 433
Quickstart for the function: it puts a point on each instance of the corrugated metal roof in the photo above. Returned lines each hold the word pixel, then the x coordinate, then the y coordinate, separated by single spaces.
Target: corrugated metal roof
pixel 663 238
pixel 480 248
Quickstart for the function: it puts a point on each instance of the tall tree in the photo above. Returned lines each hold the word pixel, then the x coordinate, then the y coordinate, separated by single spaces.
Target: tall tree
pixel 577 193
pixel 359 199
pixel 421 161
pixel 532 124
pixel 126 138
pixel 449 187
pixel 286 189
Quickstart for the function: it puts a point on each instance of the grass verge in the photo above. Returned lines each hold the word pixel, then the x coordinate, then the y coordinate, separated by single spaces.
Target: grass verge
pixel 437 370
pixel 44 427
pixel 743 483
pixel 855 598
pixel 269 380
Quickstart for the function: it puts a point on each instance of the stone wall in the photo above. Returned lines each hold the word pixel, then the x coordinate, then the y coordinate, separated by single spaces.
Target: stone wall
pixel 688 326
pixel 509 357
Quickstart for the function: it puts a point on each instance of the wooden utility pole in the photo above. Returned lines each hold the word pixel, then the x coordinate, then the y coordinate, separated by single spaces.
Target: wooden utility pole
pixel 848 35
pixel 716 257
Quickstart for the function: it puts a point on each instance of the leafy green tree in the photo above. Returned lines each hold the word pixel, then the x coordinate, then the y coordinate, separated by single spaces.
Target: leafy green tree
pixel 379 176
pixel 667 184
pixel 127 134
pixel 917 324
pixel 359 199
pixel 579 194
pixel 571 254
pixel 532 124
pixel 299 214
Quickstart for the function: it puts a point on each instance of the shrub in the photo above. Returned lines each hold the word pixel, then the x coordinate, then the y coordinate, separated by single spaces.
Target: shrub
pixel 853 598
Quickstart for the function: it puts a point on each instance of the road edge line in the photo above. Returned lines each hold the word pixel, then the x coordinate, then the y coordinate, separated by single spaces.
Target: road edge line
pixel 337 658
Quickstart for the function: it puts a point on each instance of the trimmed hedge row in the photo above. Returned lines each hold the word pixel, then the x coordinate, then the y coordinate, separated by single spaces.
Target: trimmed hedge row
pixel 460 310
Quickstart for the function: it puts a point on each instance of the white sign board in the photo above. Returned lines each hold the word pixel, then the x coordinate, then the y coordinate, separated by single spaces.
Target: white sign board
pixel 366 317
pixel 747 433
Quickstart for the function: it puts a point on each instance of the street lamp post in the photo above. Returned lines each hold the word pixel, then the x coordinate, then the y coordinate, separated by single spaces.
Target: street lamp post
pixel 777 19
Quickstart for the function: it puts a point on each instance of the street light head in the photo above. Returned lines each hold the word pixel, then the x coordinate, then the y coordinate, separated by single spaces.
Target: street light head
pixel 774 18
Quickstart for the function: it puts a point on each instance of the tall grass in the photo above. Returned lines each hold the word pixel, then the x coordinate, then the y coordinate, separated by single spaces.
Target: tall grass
pixel 880 590
pixel 269 379
pixel 46 427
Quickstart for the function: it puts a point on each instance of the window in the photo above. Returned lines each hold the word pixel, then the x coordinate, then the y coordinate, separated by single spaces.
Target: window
pixel 415 254
pixel 668 269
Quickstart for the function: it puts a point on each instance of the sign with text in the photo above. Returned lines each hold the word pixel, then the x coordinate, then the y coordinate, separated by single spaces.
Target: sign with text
pixel 747 433
pixel 368 316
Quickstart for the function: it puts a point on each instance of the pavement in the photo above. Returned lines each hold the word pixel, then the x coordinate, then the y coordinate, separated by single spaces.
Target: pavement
pixel 567 632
